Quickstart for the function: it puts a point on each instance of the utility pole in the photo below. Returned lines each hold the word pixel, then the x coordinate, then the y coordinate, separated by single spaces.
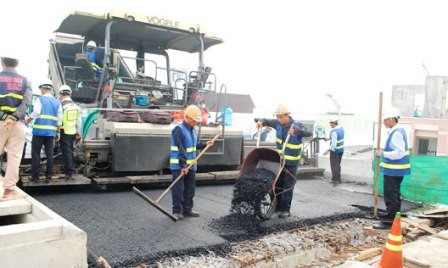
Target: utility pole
pixel 426 69
pixel 338 107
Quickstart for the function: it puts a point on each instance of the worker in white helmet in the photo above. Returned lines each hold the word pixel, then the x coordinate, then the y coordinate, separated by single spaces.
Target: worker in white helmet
pixel 184 143
pixel 336 149
pixel 16 94
pixel 70 131
pixel 285 125
pixel 394 165
pixel 94 58
pixel 47 116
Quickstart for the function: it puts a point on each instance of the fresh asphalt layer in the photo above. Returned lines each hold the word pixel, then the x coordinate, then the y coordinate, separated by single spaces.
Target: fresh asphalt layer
pixel 127 231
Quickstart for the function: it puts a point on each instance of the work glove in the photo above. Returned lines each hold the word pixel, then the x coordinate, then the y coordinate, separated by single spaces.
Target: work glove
pixel 58 137
pixel 379 153
pixel 327 152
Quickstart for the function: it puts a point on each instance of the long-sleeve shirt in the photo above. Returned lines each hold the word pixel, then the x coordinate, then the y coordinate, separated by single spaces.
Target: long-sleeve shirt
pixel 179 137
pixel 22 110
pixel 298 130
pixel 334 139
pixel 37 108
pixel 397 144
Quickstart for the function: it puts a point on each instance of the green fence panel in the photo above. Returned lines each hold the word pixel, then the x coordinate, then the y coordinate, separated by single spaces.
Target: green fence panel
pixel 428 182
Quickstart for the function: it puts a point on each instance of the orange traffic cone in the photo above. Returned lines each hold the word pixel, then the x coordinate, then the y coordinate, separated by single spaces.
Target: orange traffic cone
pixel 393 251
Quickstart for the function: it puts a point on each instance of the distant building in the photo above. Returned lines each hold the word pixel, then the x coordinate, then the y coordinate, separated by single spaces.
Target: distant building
pixel 423 108
pixel 427 101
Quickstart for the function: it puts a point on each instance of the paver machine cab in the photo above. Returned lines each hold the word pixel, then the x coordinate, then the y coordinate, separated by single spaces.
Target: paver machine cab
pixel 131 93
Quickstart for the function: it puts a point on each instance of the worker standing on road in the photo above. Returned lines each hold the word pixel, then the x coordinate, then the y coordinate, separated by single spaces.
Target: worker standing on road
pixel 394 165
pixel 71 129
pixel 184 143
pixel 284 125
pixel 47 112
pixel 336 149
pixel 15 97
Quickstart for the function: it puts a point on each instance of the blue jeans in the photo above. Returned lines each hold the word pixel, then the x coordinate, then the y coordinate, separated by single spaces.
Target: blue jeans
pixel 183 191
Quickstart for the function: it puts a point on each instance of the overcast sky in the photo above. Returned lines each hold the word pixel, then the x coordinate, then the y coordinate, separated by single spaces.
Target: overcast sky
pixel 278 51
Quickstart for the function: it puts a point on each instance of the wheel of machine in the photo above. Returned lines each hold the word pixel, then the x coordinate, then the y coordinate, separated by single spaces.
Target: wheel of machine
pixel 266 207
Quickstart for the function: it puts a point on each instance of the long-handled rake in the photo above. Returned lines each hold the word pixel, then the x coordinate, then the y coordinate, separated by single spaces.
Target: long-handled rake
pixel 157 201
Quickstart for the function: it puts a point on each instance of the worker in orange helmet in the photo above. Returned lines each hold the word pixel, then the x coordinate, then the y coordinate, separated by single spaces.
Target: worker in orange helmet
pixel 184 144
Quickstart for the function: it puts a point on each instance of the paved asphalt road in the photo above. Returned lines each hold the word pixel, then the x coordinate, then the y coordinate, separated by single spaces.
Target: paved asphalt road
pixel 126 230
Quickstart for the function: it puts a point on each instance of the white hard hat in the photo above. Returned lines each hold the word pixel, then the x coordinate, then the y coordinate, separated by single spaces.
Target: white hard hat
pixel 65 89
pixel 391 112
pixel 47 84
pixel 193 112
pixel 334 119
pixel 281 109
pixel 91 44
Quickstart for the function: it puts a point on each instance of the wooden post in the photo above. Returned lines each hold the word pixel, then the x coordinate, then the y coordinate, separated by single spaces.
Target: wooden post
pixel 377 159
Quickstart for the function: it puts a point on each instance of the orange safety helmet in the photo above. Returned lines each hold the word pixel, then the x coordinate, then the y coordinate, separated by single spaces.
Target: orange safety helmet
pixel 193 112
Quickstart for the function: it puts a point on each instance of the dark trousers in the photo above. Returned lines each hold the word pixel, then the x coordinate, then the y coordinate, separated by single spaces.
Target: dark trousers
pixel 335 163
pixel 285 188
pixel 67 152
pixel 36 146
pixel 392 197
pixel 183 191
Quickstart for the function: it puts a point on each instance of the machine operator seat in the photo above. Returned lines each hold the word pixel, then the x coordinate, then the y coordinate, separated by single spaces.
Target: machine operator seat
pixel 200 83
pixel 197 84
pixel 84 72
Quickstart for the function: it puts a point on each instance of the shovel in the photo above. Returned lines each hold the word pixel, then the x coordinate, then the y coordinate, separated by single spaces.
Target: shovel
pixel 157 201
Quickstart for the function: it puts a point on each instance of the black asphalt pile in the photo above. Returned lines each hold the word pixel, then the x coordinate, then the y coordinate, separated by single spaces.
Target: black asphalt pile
pixel 175 257
pixel 237 227
pixel 250 189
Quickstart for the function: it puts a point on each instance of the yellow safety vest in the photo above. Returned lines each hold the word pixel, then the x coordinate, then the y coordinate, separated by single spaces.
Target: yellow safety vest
pixel 69 119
